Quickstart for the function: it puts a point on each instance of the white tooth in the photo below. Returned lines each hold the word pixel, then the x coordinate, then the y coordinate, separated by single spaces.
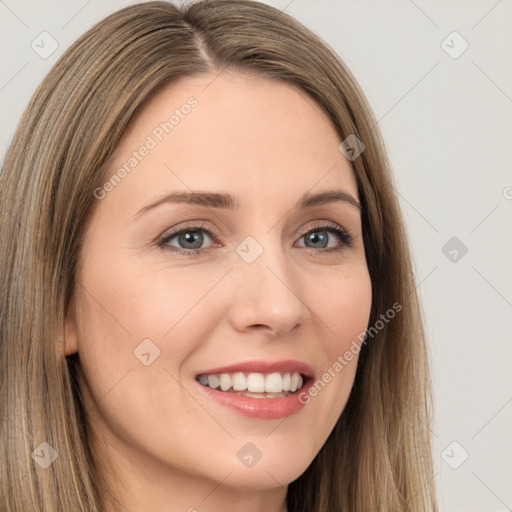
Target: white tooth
pixel 273 383
pixel 203 380
pixel 286 382
pixel 213 381
pixel 294 382
pixel 225 382
pixel 239 381
pixel 301 381
pixel 255 383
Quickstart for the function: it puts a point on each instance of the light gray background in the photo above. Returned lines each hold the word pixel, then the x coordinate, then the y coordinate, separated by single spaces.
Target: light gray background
pixel 448 128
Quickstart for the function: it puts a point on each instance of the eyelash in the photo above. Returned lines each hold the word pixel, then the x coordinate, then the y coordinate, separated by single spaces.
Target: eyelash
pixel 345 237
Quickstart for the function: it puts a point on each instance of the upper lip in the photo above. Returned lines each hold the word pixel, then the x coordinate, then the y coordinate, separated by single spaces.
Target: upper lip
pixel 285 366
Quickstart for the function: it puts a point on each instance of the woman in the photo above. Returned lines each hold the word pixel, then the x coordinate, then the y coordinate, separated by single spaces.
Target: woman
pixel 278 363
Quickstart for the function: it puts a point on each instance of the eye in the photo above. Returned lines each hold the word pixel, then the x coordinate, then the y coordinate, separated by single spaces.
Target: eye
pixel 190 239
pixel 319 237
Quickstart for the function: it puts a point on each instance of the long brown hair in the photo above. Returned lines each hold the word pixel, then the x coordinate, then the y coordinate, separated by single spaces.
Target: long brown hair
pixel 378 456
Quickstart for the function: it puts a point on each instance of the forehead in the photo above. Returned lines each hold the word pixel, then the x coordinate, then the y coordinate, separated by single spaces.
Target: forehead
pixel 243 133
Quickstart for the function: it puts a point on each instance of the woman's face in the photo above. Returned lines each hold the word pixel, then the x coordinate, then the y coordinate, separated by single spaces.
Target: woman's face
pixel 256 282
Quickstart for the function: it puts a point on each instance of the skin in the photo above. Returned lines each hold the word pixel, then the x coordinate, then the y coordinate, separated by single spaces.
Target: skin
pixel 171 447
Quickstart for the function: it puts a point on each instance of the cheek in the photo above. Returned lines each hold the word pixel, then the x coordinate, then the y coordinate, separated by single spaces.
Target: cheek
pixel 342 301
pixel 138 323
pixel 129 318
pixel 343 307
pixel 137 302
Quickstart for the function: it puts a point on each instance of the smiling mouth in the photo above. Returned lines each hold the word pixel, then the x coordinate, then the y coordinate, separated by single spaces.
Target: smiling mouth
pixel 254 384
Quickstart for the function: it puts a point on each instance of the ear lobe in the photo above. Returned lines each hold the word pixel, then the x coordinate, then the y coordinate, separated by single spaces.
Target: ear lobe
pixel 70 334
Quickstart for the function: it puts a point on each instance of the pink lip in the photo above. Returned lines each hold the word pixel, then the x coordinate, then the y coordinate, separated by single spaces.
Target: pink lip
pixel 261 408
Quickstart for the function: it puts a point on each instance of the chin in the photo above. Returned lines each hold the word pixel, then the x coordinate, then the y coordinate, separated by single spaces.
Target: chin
pixel 278 469
pixel 258 479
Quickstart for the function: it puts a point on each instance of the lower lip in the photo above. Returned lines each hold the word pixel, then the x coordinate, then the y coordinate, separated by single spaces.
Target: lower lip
pixel 262 408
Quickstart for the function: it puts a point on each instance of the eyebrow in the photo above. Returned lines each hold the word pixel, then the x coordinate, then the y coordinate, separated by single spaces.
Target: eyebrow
pixel 226 201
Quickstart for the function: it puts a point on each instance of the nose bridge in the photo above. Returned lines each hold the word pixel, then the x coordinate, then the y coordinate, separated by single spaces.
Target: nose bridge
pixel 268 291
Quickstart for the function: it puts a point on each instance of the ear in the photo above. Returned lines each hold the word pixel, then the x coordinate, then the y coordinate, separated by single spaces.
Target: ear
pixel 71 331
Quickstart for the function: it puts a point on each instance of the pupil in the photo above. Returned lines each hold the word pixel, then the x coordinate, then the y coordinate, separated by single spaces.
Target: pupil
pixel 314 237
pixel 196 238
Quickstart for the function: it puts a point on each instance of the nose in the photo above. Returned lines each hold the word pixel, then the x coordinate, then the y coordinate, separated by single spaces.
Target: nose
pixel 268 296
